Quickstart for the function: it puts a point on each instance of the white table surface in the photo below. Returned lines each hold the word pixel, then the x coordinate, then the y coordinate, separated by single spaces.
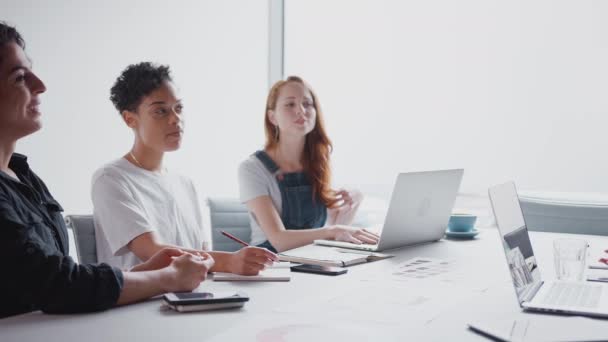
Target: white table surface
pixel 365 304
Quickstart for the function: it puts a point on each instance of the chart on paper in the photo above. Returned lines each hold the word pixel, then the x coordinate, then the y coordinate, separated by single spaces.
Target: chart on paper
pixel 422 268
pixel 432 271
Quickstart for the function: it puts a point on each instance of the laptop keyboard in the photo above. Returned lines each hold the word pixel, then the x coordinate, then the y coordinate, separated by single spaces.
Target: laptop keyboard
pixel 573 294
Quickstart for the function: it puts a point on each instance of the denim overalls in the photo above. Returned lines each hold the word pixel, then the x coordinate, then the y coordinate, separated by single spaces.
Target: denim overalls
pixel 299 209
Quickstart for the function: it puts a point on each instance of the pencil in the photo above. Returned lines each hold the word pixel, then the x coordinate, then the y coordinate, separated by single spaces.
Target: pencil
pixel 234 238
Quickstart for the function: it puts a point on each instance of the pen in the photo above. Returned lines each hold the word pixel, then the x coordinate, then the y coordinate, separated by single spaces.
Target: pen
pixel 234 238
pixel 601 279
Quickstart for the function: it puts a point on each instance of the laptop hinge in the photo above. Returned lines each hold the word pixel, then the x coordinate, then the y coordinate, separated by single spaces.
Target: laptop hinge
pixel 533 291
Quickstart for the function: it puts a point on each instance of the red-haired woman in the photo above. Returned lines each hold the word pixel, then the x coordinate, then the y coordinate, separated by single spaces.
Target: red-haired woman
pixel 286 186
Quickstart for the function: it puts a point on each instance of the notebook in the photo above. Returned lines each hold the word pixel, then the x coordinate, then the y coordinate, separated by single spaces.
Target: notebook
pixel 329 256
pixel 593 264
pixel 594 260
pixel 278 272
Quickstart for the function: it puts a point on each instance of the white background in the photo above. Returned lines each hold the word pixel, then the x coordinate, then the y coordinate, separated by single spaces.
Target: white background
pixel 505 89
pixel 217 51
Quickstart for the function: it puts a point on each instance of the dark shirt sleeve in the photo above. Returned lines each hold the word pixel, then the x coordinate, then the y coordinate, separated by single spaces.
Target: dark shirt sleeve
pixel 36 275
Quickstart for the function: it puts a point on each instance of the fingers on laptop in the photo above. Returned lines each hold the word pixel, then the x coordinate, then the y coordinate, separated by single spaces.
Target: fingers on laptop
pixel 353 239
pixel 372 233
pixel 366 237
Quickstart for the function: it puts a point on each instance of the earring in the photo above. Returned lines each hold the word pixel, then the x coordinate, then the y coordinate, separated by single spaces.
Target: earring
pixel 276 133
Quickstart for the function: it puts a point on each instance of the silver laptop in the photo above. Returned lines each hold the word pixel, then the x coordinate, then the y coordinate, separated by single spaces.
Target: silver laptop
pixel 534 294
pixel 419 211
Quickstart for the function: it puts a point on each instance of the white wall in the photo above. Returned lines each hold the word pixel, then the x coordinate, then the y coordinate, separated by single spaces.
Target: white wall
pixel 218 54
pixel 506 89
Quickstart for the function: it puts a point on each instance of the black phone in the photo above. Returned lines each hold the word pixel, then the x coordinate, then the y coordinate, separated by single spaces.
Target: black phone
pixel 197 301
pixel 327 270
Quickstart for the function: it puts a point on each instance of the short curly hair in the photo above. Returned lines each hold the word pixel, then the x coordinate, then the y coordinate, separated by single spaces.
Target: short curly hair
pixel 135 82
pixel 10 34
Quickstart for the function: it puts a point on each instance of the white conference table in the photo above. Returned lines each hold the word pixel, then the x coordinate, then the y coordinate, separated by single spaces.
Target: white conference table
pixel 367 303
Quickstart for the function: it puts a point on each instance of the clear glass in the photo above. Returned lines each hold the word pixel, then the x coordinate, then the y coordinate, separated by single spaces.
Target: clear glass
pixel 570 257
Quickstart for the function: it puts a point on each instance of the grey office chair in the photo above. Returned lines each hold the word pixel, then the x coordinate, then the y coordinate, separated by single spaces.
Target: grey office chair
pixel 83 227
pixel 230 215
pixel 565 213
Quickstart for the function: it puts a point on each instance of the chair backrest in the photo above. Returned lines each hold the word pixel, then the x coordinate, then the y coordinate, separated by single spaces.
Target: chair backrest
pixel 230 215
pixel 573 216
pixel 83 227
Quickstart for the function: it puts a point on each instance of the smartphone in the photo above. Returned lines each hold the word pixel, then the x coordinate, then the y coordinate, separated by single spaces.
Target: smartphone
pixel 327 270
pixel 198 301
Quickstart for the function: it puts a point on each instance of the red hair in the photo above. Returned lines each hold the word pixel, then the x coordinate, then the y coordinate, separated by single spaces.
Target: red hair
pixel 317 148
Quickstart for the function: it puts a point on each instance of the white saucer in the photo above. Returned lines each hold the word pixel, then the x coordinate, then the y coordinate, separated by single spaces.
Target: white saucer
pixel 462 235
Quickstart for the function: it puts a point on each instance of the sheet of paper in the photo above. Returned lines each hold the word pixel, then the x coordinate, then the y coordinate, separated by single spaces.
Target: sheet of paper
pixel 597 252
pixel 280 272
pixel 428 272
pixel 282 264
pixel 421 268
pixel 322 253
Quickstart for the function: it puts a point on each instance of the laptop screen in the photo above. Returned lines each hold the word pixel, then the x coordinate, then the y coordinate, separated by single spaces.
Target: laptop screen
pixel 515 240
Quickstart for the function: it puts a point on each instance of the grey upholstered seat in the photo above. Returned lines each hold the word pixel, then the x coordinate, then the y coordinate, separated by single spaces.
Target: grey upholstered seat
pixel 232 216
pixel 575 213
pixel 83 227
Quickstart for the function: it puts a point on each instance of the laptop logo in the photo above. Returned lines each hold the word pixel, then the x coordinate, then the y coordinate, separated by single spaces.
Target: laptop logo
pixel 424 207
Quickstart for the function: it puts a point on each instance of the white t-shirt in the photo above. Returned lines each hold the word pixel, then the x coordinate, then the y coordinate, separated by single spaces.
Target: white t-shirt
pixel 254 181
pixel 129 201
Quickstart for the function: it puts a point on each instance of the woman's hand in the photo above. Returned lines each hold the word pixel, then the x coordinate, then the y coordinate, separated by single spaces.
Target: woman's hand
pixel 354 235
pixel 159 260
pixel 349 198
pixel 344 210
pixel 251 260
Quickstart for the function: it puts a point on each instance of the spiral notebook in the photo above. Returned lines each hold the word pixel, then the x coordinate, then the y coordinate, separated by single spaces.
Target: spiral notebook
pixel 329 256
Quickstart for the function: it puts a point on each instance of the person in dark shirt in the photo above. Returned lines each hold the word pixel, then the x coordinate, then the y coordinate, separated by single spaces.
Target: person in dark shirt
pixel 37 272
